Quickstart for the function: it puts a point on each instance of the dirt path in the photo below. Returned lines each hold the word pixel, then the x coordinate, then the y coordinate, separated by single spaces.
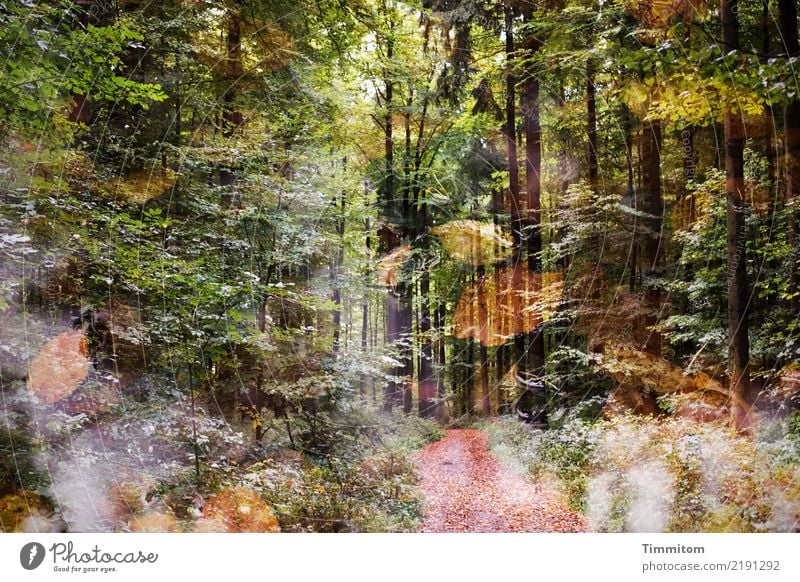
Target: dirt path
pixel 466 489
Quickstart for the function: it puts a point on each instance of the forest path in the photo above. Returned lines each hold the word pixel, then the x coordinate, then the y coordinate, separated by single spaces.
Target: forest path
pixel 467 489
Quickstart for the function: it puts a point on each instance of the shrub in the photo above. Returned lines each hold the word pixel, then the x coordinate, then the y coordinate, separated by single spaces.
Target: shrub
pixel 635 473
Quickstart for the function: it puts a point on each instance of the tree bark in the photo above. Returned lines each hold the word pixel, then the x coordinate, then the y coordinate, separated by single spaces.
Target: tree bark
pixel 513 189
pixel 483 327
pixel 791 131
pixel 738 295
pixel 336 268
pixel 533 191
pixel 388 137
pixel 232 119
pixel 427 377
pixel 652 246
pixel 441 360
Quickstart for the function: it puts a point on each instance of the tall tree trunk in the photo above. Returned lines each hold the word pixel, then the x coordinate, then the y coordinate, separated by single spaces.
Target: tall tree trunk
pixel 427 377
pixel 365 305
pixel 467 400
pixel 232 119
pixel 497 209
pixel 407 347
pixel 533 191
pixel 388 137
pixel 791 132
pixel 441 360
pixel 631 196
pixel 595 251
pixel 591 128
pixel 513 189
pixel 510 127
pixel 770 145
pixel 407 180
pixel 738 296
pixel 394 326
pixel 483 326
pixel 336 268
pixel 652 246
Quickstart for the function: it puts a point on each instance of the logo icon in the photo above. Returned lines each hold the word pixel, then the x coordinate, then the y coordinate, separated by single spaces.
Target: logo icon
pixel 31 555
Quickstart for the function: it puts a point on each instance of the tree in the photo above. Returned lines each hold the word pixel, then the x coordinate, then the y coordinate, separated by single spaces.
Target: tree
pixel 738 293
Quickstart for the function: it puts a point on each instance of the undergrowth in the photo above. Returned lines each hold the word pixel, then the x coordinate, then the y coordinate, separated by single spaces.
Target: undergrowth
pixel 634 473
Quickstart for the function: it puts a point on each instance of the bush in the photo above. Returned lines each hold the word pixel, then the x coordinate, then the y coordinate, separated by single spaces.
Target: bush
pixel 635 473
pixel 367 482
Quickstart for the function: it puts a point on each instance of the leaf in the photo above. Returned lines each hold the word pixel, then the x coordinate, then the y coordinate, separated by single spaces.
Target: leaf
pixel 59 367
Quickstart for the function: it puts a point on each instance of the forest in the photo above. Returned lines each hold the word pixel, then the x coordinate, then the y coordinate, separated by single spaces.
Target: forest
pixel 399 266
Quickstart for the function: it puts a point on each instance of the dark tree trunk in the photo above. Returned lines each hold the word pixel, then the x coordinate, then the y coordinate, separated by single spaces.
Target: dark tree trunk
pixel 592 175
pixel 388 139
pixel 510 128
pixel 791 132
pixel 513 187
pixel 632 197
pixel 497 210
pixel 441 360
pixel 483 328
pixel 336 267
pixel 427 377
pixel 652 245
pixel 533 191
pixel 365 306
pixel 469 375
pixel 394 326
pixel 591 129
pixel 232 119
pixel 738 342
pixel 770 145
pixel 407 348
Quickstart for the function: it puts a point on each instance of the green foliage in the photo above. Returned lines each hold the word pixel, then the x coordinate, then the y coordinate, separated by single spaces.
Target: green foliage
pixel 48 60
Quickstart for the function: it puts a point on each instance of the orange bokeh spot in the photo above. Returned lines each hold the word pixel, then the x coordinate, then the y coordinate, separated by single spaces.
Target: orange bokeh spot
pixel 59 367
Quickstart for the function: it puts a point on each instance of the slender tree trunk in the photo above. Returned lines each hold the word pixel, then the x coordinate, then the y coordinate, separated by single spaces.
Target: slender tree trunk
pixel 469 377
pixel 365 306
pixel 592 169
pixel 483 326
pixel 513 191
pixel 441 360
pixel 427 376
pixel 631 196
pixel 388 138
pixel 194 427
pixel 406 197
pixel 738 295
pixel 467 404
pixel 791 132
pixel 591 129
pixel 533 190
pixel 336 268
pixel 510 128
pixel 232 119
pixel 407 347
pixel 770 145
pixel 499 315
pixel 652 247
pixel 394 327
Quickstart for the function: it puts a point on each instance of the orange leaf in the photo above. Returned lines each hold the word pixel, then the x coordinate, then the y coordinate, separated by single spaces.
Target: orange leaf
pixel 59 367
